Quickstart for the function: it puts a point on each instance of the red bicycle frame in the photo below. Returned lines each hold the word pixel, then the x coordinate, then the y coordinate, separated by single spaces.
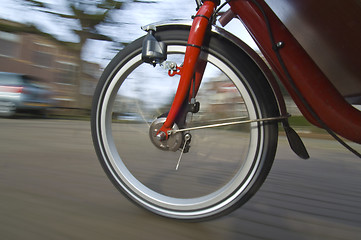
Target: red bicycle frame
pixel 324 99
pixel 320 94
pixel 195 41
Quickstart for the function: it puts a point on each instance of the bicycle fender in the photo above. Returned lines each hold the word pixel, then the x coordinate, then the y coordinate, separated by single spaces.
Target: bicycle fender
pixel 232 39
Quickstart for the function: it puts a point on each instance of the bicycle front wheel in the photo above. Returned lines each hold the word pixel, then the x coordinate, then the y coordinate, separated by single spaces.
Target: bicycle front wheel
pixel 223 167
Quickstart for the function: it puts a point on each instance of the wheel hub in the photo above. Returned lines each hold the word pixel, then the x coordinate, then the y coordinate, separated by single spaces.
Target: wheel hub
pixel 173 142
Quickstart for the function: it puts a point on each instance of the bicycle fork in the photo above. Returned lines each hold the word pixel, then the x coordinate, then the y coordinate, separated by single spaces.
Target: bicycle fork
pixel 192 69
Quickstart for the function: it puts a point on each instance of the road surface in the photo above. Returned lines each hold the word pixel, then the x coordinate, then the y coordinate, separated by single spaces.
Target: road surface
pixel 52 187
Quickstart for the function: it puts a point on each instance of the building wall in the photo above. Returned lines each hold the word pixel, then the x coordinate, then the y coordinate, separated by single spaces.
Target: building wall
pixel 52 63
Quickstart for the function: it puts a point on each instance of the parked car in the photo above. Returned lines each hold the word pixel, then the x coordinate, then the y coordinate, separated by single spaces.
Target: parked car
pixel 22 93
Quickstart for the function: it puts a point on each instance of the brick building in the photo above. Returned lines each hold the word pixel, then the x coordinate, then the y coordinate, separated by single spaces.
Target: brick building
pixel 53 63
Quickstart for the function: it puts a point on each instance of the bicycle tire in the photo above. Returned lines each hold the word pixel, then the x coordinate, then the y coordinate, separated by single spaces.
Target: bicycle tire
pixel 224 167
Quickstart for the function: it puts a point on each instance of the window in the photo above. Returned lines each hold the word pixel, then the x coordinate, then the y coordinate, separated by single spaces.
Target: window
pixel 43 54
pixel 42 59
pixel 91 69
pixel 66 73
pixel 9 44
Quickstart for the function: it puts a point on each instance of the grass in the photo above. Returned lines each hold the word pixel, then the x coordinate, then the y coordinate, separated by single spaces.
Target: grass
pixel 300 124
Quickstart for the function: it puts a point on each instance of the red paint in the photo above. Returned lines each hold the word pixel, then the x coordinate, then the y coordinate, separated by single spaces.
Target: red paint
pixel 196 36
pixel 198 75
pixel 321 95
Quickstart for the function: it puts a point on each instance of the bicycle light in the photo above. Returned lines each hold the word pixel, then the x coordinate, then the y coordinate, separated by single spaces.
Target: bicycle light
pixel 153 51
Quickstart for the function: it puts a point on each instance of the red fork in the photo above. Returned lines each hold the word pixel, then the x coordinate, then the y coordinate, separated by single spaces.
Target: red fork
pixel 194 44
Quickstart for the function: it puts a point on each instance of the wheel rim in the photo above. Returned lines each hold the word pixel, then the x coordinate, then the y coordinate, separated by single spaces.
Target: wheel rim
pixel 147 174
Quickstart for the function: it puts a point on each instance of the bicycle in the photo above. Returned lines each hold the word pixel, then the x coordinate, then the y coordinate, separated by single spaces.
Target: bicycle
pixel 185 119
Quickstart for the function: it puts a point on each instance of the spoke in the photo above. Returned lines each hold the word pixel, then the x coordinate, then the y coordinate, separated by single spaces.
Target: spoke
pixel 228 124
pixel 226 119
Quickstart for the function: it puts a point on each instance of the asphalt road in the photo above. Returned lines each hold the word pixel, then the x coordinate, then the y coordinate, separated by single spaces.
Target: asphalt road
pixel 52 187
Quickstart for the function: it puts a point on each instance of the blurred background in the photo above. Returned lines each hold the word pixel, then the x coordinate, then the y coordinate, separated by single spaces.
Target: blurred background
pixel 59 48
pixel 63 46
pixel 51 184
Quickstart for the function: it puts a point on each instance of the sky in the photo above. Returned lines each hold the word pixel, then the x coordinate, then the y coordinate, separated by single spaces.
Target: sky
pixel 130 19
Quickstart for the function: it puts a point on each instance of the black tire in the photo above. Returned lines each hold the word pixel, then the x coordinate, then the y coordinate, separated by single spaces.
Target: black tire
pixel 225 166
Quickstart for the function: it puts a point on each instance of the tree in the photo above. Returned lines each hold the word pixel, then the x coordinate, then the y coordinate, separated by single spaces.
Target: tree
pixel 89 14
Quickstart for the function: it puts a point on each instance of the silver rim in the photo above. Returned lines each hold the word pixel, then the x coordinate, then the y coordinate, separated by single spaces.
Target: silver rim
pixel 221 163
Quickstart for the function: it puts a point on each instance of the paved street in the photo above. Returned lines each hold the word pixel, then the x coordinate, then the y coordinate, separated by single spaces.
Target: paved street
pixel 52 187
